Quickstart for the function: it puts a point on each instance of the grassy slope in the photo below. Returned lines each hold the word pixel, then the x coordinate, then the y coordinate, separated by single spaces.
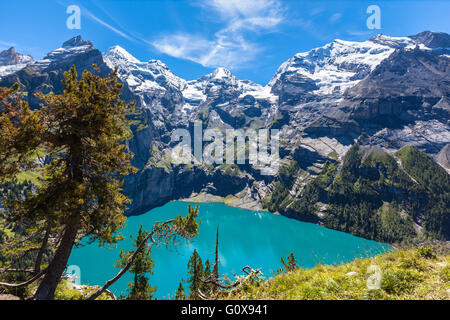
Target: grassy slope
pixel 406 274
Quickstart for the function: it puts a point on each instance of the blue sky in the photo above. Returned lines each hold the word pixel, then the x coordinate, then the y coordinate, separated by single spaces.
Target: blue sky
pixel 250 37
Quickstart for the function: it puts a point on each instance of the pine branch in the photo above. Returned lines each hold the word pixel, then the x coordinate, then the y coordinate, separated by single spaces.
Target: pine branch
pixel 129 262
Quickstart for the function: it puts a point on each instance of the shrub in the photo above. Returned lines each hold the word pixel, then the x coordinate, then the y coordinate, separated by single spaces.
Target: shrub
pixel 399 281
pixel 65 291
pixel 426 252
pixel 445 274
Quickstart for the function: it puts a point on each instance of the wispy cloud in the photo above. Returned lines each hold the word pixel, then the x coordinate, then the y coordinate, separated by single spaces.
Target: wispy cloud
pixel 107 25
pixel 230 46
pixel 93 17
pixel 335 17
pixel 316 11
pixel 7 44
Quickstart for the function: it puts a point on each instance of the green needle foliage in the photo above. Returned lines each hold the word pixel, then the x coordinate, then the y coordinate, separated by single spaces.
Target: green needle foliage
pixel 289 265
pixel 81 131
pixel 143 264
pixel 195 272
pixel 180 294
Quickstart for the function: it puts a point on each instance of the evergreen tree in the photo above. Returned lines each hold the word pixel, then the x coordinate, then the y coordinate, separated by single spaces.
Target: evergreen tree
pixel 143 264
pixel 195 272
pixel 207 271
pixel 180 295
pixel 80 131
pixel 289 265
pixel 20 134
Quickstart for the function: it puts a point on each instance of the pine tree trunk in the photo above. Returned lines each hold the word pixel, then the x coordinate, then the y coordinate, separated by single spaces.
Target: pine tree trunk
pixel 216 262
pixel 46 290
pixel 37 264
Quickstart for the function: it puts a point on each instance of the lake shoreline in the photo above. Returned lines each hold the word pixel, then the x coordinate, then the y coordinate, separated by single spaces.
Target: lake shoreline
pixel 247 237
pixel 230 200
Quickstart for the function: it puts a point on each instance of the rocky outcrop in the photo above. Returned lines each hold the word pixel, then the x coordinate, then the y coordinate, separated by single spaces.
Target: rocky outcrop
pixel 443 157
pixel 12 61
pixel 11 57
pixel 403 88
pixel 433 39
pixel 156 185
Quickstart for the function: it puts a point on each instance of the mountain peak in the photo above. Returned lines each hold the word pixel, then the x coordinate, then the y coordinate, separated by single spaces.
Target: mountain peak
pixel 76 42
pixel 11 57
pixel 158 63
pixel 220 73
pixel 433 39
pixel 379 36
pixel 120 53
pixel 8 52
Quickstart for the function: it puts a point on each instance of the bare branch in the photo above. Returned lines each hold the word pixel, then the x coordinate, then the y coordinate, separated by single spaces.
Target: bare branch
pixel 251 273
pixel 23 284
pixel 12 270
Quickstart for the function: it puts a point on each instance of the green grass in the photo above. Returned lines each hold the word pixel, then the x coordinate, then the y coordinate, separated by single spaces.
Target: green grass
pixel 66 291
pixel 406 274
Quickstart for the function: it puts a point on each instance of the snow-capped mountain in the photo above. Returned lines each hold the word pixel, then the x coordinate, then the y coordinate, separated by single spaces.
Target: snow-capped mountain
pixel 12 61
pixel 142 76
pixel 335 66
pixel 69 50
pixel 11 57
pixel 157 88
pixel 155 76
pixel 218 87
pixel 339 65
pixel 171 98
pixel 321 73
pixel 46 74
pixel 385 92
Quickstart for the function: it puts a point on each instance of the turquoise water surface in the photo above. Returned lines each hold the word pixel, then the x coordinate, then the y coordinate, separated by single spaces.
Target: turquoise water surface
pixel 257 239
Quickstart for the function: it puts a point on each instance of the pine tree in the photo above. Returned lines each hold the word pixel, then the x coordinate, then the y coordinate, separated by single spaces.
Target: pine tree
pixel 207 271
pixel 80 131
pixel 143 264
pixel 290 264
pixel 20 134
pixel 180 295
pixel 195 275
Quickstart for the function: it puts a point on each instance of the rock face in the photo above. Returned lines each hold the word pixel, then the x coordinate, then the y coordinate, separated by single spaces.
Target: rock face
pixel 11 57
pixel 11 61
pixel 394 87
pixel 385 92
pixel 158 89
pixel 443 157
pixel 433 39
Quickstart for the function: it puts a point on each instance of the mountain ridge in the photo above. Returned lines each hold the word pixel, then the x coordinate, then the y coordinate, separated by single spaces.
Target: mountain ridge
pixel 384 93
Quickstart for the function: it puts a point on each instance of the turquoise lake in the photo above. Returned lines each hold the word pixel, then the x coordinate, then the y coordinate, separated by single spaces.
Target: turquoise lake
pixel 257 239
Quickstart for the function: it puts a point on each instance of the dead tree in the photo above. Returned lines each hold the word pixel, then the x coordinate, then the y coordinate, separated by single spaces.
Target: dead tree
pixel 211 279
pixel 216 260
